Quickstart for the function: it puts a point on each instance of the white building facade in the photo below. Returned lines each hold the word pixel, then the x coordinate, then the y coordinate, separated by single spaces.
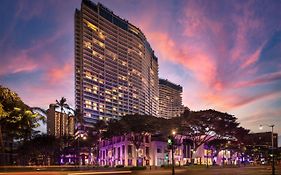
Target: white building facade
pixel 153 151
pixel 122 150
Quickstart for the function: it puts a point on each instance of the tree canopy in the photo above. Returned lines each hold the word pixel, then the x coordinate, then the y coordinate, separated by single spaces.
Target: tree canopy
pixel 41 145
pixel 199 126
pixel 203 126
pixel 16 118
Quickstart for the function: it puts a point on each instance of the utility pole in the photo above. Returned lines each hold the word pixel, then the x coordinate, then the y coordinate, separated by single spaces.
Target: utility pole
pixel 173 161
pixel 171 145
pixel 272 147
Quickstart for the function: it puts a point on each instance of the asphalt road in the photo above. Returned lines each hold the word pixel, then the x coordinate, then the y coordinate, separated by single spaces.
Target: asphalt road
pixel 257 170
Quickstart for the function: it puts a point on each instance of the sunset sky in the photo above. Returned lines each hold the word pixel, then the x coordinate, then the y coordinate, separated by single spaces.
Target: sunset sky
pixel 225 54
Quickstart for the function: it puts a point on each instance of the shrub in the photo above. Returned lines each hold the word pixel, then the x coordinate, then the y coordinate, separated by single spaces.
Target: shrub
pixel 166 166
pixel 119 166
pixel 138 168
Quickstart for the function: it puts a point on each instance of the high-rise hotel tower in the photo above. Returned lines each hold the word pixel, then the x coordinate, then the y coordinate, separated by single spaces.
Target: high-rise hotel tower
pixel 170 99
pixel 116 71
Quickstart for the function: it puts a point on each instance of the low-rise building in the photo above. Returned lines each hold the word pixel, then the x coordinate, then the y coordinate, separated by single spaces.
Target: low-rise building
pixel 259 147
pixel 126 150
pixel 153 151
pixel 263 139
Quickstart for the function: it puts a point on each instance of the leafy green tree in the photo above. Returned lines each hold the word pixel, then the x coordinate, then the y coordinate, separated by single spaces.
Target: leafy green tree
pixel 39 150
pixel 16 118
pixel 137 127
pixel 235 143
pixel 204 126
pixel 3 114
pixel 216 145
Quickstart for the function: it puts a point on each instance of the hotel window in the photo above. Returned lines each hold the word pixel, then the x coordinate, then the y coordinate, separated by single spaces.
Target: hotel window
pixel 87 45
pixel 146 139
pixel 123 149
pixel 130 149
pixel 147 151
pixel 118 152
pixel 88 102
pixel 159 150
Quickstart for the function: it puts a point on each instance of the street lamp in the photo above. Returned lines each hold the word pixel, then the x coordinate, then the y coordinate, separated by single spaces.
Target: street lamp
pixel 272 146
pixel 173 158
pixel 84 137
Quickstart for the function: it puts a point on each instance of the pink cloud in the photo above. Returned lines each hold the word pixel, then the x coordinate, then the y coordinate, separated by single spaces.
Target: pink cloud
pixel 198 62
pixel 230 101
pixel 23 61
pixel 253 58
pixel 42 96
pixel 244 100
pixel 246 24
pixel 58 74
pixel 197 24
pixel 267 78
pixel 20 62
pixel 203 50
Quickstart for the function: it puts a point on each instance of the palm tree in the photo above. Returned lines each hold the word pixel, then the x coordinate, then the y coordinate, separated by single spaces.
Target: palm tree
pixel 78 117
pixel 42 113
pixel 62 105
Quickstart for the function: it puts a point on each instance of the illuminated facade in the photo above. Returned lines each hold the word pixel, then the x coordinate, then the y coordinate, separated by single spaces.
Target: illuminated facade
pixel 170 99
pixel 120 150
pixel 116 71
pixel 58 123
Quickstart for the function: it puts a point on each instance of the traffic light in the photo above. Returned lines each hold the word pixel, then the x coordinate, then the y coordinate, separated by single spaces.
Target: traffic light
pixel 170 142
pixel 166 157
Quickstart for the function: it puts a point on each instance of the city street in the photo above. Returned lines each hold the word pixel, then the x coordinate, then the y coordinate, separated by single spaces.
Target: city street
pixel 257 170
pixel 253 170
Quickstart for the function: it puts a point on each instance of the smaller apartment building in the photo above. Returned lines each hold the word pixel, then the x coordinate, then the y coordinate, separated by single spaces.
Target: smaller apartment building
pixel 60 123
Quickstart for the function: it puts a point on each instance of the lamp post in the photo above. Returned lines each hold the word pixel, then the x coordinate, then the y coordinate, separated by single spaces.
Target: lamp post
pixel 78 139
pixel 272 146
pixel 173 158
pixel 208 157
